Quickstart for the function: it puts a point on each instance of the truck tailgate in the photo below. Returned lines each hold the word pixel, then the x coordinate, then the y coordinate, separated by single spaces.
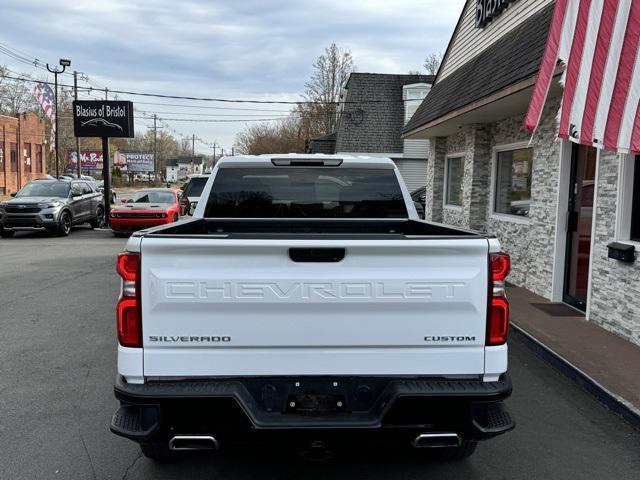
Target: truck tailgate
pixel 243 307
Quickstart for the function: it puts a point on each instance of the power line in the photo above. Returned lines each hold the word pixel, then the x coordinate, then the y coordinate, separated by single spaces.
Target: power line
pixel 151 112
pixel 207 99
pixel 164 104
pixel 208 120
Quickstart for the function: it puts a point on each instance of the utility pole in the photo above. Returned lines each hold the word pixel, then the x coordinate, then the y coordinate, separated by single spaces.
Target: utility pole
pixel 155 146
pixel 193 145
pixel 233 151
pixel 75 96
pixel 64 64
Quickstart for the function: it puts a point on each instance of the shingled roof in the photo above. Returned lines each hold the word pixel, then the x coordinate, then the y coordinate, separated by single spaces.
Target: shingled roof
pixel 374 127
pixel 513 58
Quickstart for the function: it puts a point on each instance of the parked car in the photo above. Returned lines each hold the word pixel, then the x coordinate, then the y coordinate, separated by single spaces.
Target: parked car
pixel 51 205
pixel 307 302
pixel 114 195
pixel 75 176
pixel 419 197
pixel 146 208
pixel 191 192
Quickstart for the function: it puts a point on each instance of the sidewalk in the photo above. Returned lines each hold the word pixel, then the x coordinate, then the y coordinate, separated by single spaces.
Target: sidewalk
pixel 600 361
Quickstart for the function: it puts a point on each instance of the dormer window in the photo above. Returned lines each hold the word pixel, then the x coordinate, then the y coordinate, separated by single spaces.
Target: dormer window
pixel 413 95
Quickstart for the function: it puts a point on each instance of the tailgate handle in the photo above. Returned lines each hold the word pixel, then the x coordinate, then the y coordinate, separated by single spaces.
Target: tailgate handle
pixel 317 255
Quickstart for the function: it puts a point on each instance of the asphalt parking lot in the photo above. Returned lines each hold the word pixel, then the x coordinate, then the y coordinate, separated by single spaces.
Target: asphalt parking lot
pixel 57 365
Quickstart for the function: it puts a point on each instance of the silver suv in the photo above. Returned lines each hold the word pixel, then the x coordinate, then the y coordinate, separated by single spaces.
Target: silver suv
pixel 51 205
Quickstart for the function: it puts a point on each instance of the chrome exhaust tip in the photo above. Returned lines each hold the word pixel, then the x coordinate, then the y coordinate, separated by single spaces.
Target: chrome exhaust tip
pixel 437 440
pixel 193 442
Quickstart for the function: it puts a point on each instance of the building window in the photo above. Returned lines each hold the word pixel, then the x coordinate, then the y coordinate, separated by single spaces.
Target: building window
pixel 513 182
pixel 14 157
pixel 1 155
pixel 453 181
pixel 27 158
pixel 39 158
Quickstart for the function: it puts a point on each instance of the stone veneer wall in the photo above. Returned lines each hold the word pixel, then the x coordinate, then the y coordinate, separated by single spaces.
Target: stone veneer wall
pixel 531 244
pixel 615 287
pixel 435 173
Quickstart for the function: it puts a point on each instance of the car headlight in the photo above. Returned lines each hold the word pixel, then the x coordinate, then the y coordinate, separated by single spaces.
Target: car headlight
pixel 49 204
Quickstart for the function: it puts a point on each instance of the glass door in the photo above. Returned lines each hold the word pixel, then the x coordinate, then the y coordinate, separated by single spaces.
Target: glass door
pixel 583 172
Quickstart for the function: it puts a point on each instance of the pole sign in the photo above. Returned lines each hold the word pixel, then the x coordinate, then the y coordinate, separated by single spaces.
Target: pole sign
pixel 106 119
pixel 103 118
pixel 487 10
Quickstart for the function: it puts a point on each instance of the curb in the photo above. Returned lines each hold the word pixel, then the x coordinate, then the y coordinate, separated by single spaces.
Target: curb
pixel 613 402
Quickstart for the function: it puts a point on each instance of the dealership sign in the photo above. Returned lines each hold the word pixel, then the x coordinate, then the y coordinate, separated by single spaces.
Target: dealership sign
pixel 89 160
pixel 487 10
pixel 134 161
pixel 102 118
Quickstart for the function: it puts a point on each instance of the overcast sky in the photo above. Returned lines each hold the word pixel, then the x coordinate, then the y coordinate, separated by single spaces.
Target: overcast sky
pixel 250 49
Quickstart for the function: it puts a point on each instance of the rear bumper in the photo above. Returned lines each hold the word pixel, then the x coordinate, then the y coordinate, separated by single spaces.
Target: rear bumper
pixel 244 407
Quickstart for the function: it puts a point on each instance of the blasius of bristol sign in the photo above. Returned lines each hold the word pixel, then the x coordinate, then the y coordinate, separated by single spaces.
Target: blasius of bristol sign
pixel 487 10
pixel 106 119
pixel 102 118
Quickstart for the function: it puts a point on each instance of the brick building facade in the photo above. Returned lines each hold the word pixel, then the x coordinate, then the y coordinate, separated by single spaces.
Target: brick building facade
pixel 23 151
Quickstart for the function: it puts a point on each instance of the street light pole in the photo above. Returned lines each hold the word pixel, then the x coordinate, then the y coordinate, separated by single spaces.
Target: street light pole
pixel 75 95
pixel 64 64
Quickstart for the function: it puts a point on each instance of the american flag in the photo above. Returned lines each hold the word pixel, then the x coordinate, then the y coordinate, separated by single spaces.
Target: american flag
pixel 47 99
pixel 598 42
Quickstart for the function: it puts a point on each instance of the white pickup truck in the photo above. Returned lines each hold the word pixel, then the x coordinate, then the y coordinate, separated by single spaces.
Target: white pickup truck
pixel 306 301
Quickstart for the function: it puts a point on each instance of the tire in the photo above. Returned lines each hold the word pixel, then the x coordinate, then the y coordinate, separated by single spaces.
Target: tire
pixel 449 454
pixel 6 233
pixel 158 452
pixel 98 221
pixel 175 217
pixel 64 225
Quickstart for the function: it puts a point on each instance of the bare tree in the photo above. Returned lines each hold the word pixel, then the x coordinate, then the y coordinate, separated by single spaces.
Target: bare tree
pixel 432 63
pixel 16 96
pixel 330 71
pixel 283 136
pixel 315 118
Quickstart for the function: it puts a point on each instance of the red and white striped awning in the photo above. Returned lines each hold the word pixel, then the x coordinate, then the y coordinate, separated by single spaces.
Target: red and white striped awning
pixel 598 42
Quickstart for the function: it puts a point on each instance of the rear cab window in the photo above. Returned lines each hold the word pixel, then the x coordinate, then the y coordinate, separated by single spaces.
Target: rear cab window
pixel 306 192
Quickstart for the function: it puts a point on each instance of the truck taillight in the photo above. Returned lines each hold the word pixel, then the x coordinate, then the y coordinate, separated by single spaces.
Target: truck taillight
pixel 129 309
pixel 498 311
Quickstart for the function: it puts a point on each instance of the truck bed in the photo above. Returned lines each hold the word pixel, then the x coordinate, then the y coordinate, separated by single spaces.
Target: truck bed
pixel 309 228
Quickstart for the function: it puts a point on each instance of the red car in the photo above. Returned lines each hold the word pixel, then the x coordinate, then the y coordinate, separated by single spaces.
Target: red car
pixel 146 208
